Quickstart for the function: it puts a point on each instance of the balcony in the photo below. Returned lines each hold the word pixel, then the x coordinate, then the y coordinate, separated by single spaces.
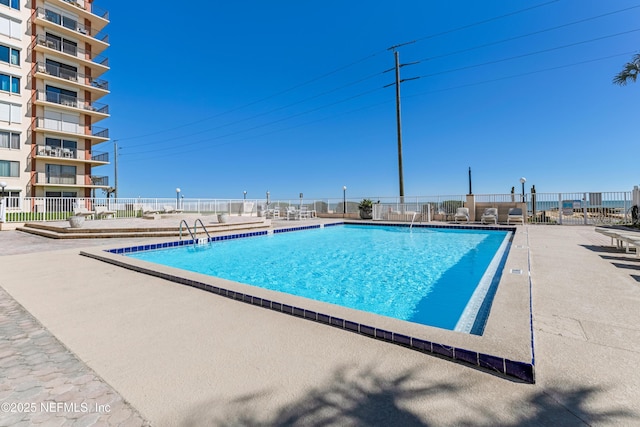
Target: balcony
pixel 94 133
pixel 98 64
pixel 83 181
pixel 97 86
pixel 63 180
pixel 70 27
pixel 95 109
pixel 100 157
pixel 89 8
pixel 100 181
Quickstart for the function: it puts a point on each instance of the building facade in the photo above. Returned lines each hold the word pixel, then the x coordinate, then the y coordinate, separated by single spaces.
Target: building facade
pixel 51 60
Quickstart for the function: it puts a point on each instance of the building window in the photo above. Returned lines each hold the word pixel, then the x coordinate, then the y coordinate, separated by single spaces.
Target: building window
pixel 13 4
pixel 59 69
pixel 61 96
pixel 11 27
pixel 9 55
pixel 63 45
pixel 11 113
pixel 66 148
pixel 9 140
pixel 9 83
pixel 10 169
pixel 60 174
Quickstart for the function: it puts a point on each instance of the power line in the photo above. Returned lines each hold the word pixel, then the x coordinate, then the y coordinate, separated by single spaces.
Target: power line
pixel 581 21
pixel 530 53
pixel 259 100
pixel 521 74
pixel 390 101
pixel 264 113
pixel 322 76
pixel 362 94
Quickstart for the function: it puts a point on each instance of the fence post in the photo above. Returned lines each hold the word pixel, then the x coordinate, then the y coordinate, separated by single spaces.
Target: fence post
pixel 584 207
pixel 560 208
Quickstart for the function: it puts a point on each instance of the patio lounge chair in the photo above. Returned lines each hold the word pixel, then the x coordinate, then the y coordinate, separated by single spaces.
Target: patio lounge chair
pixel 292 213
pixel 104 212
pixel 461 213
pixel 490 214
pixel 170 209
pixel 82 211
pixel 515 214
pixel 148 210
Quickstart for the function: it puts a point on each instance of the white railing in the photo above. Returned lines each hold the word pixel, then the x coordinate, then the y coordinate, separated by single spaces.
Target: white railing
pixel 542 208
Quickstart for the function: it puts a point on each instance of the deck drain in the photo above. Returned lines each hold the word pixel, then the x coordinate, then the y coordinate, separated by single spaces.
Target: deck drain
pixel 516 271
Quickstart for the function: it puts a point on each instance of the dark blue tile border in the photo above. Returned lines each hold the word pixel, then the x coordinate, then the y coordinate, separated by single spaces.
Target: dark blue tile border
pixel 521 370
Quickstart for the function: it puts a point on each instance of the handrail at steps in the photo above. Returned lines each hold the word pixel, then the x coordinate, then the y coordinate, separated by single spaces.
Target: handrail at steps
pixel 194 234
pixel 195 225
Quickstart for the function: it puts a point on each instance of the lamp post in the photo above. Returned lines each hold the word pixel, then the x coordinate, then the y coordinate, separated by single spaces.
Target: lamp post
pixel 344 201
pixel 522 181
pixel 301 196
pixel 177 198
pixel 244 194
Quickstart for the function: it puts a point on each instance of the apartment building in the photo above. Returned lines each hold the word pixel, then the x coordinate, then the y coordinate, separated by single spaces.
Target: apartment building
pixel 51 60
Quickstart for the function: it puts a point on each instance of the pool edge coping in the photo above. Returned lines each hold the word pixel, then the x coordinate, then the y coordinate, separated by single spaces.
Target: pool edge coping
pixel 521 370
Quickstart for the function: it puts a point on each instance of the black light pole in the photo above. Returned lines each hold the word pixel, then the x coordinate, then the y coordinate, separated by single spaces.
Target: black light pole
pixel 522 181
pixel 244 193
pixel 344 201
pixel 177 198
pixel 470 192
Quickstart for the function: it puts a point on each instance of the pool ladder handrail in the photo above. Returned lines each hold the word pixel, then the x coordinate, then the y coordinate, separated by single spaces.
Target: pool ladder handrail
pixel 195 230
pixel 413 219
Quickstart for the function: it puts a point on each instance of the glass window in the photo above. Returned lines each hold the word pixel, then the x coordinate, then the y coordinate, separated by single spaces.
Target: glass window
pixel 14 4
pixel 5 82
pixel 15 85
pixel 9 83
pixel 9 140
pixel 60 174
pixel 9 55
pixel 11 169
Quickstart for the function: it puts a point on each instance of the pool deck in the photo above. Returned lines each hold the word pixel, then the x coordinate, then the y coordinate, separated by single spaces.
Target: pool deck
pixel 167 354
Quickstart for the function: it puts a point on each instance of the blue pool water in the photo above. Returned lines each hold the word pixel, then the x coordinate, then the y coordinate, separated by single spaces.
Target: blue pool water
pixel 422 275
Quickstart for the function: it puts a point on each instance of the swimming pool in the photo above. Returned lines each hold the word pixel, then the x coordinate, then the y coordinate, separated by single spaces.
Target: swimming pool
pixel 437 277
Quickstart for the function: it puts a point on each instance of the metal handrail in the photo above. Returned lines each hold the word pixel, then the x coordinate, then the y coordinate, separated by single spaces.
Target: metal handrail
pixel 195 229
pixel 195 225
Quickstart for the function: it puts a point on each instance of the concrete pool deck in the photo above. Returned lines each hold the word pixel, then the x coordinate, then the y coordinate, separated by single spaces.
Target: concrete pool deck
pixel 181 356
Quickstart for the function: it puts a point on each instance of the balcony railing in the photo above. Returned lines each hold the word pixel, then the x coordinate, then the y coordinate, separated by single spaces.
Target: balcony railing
pixel 70 127
pixel 100 157
pixel 70 75
pixel 69 49
pixel 100 180
pixel 71 101
pixel 92 9
pixel 67 180
pixel 69 23
pixel 63 153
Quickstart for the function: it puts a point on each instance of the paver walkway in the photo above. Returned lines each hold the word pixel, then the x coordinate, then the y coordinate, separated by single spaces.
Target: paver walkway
pixel 42 383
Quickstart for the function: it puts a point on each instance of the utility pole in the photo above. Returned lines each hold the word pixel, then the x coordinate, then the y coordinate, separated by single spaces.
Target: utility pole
pixel 115 168
pixel 398 114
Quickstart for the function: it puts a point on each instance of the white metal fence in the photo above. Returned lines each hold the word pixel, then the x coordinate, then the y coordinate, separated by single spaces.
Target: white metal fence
pixel 543 208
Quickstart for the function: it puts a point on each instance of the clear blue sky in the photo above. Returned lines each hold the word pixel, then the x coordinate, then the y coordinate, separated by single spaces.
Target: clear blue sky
pixel 288 96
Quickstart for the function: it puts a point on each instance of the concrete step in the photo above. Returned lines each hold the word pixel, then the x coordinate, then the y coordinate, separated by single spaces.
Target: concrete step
pixel 57 232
